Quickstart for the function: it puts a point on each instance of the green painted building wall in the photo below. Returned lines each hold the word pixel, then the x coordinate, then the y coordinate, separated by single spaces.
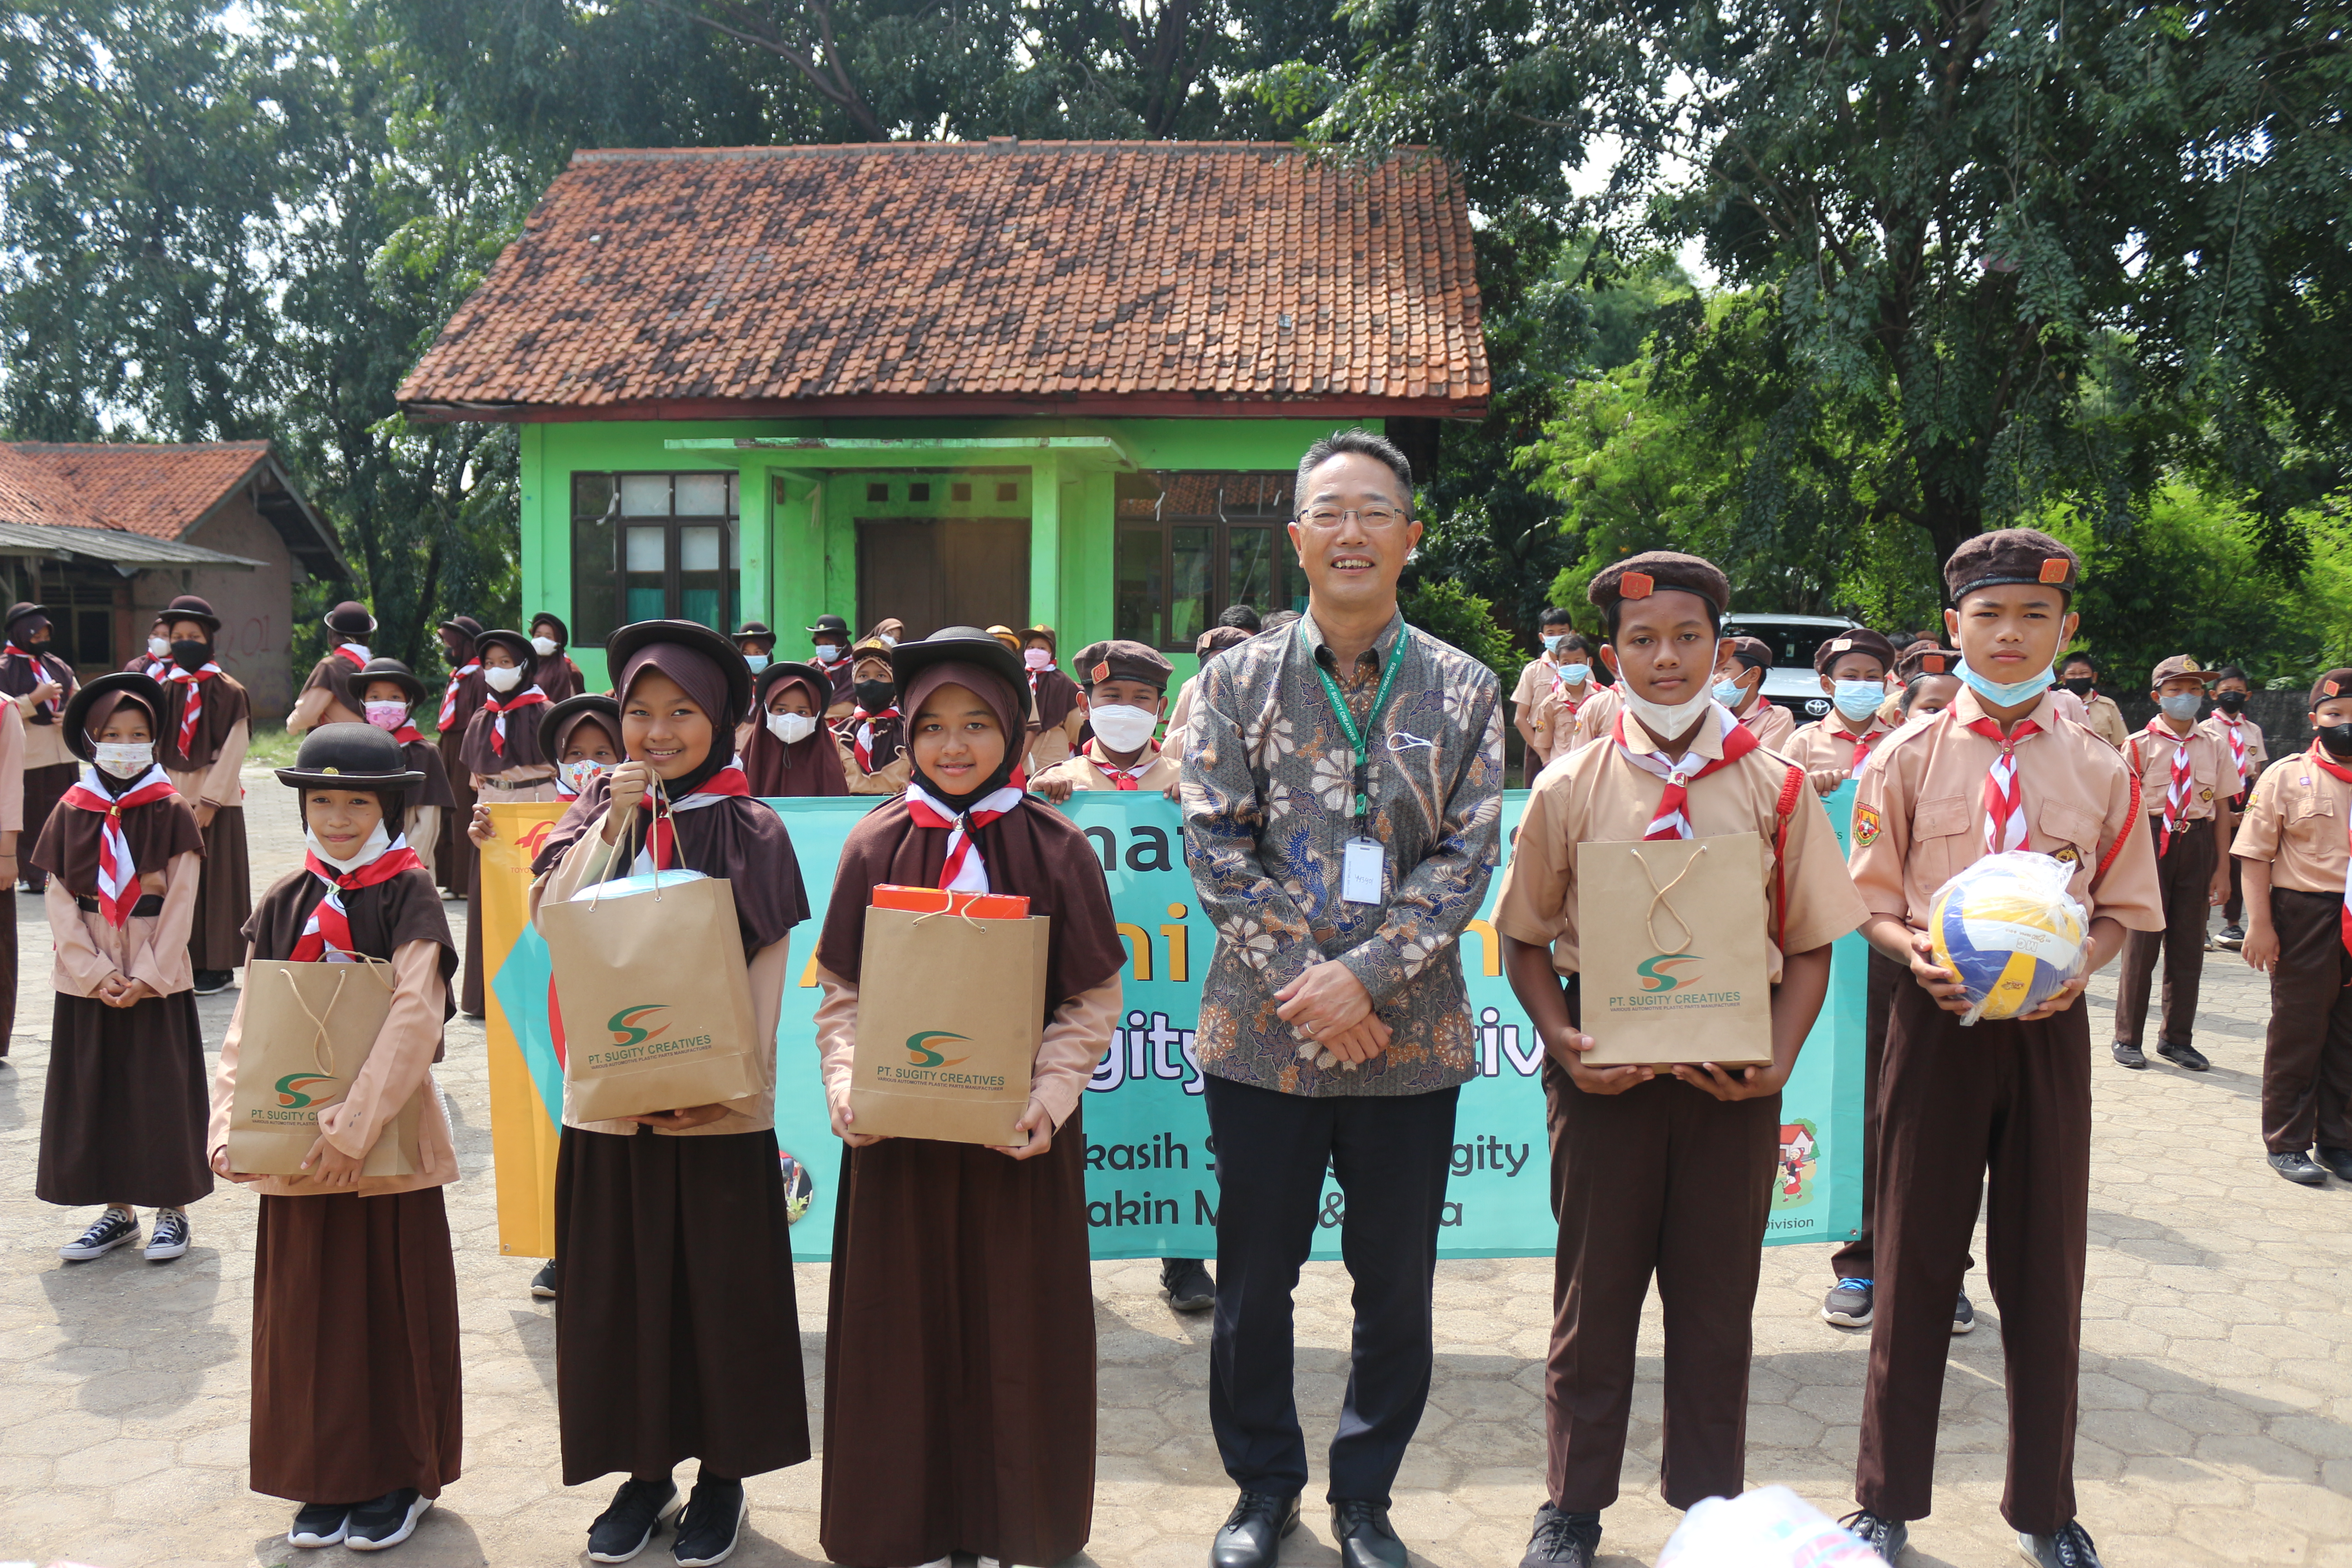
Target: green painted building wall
pixel 797 513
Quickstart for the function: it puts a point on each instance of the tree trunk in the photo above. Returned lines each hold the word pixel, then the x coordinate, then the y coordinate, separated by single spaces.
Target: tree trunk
pixel 1951 521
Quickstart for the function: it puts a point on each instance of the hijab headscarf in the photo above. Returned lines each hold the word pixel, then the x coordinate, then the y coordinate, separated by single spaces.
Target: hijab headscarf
pixel 706 687
pixel 808 767
pixel 155 832
pixel 1008 705
pixel 20 675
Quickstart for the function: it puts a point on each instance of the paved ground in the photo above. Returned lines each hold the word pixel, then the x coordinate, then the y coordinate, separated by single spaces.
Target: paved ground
pixel 2217 1392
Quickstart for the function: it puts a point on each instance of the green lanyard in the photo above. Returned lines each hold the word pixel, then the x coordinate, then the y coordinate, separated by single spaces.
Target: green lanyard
pixel 1356 736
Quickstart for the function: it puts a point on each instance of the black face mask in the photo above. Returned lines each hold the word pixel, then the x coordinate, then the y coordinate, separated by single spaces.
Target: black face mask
pixel 2080 685
pixel 875 695
pixel 2337 739
pixel 192 657
pixel 2231 701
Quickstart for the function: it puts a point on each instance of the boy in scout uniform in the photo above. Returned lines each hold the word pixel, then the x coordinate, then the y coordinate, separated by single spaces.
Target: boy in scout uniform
pixel 2186 781
pixel 1739 685
pixel 2079 675
pixel 2241 738
pixel 1127 687
pixel 2293 851
pixel 1656 1172
pixel 1996 771
pixel 1551 725
pixel 1853 666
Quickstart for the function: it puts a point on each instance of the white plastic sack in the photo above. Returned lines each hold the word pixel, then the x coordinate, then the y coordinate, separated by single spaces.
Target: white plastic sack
pixel 1771 1527
pixel 2008 927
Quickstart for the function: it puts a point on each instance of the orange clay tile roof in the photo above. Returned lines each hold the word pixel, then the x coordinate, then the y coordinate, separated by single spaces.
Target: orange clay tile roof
pixel 158 491
pixel 1205 279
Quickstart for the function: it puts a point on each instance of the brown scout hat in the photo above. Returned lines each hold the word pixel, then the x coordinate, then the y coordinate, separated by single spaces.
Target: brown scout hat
pixel 1123 660
pixel 1926 659
pixel 1639 576
pixel 2333 684
pixel 2011 556
pixel 1754 653
pixel 1855 640
pixel 2181 664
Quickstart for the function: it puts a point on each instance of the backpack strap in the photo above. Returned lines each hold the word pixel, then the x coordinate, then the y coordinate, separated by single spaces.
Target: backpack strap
pixel 2131 771
pixel 1791 792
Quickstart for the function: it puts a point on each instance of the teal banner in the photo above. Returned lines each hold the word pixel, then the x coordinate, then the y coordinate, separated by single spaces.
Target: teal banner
pixel 1151 1184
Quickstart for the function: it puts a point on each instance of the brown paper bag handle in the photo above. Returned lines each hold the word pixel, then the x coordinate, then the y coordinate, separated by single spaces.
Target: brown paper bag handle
pixel 963 914
pixel 1658 897
pixel 317 1024
pixel 660 798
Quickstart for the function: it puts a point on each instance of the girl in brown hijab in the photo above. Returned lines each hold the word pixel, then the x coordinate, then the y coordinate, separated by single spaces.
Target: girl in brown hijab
pixel 207 724
pixel 1057 708
pixel 122 1118
pixel 503 764
pixel 790 752
pixel 356 1382
pixel 40 684
pixel 960 1364
pixel 453 861
pixel 871 744
pixel 676 1334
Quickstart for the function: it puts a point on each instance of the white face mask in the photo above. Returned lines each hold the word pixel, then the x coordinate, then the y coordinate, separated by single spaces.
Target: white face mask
pixel 502 677
pixel 831 653
pixel 885 640
pixel 576 776
pixel 544 647
pixel 378 841
pixel 792 728
pixel 387 715
pixel 1039 658
pixel 1664 722
pixel 1122 728
pixel 159 648
pixel 125 759
pixel 758 661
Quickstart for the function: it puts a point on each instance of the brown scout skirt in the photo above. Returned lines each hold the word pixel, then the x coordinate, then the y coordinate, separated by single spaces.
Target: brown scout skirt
pixel 355 1370
pixel 960 1356
pixel 454 854
pixel 224 894
pixel 676 1332
pixel 124 1116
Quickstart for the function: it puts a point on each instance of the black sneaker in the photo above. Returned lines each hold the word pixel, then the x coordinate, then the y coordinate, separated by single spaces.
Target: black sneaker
pixel 2183 1055
pixel 1187 1282
pixel 542 1284
pixel 2130 1055
pixel 319 1524
pixel 2337 1160
pixel 1964 1315
pixel 2232 937
pixel 213 982
pixel 386 1521
pixel 108 1231
pixel 1562 1540
pixel 2295 1166
pixel 711 1525
pixel 630 1520
pixel 169 1239
pixel 1849 1304
pixel 1887 1537
pixel 2069 1548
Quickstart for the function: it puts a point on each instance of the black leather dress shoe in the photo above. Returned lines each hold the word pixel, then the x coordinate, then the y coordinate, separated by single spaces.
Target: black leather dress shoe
pixel 1361 1531
pixel 1252 1534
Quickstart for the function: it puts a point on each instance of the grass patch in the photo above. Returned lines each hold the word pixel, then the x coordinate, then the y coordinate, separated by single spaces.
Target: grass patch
pixel 272 747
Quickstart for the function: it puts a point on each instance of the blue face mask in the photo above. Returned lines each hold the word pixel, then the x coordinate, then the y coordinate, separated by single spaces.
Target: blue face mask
pixel 1858 699
pixel 1551 641
pixel 1730 694
pixel 2015 694
pixel 758 661
pixel 1576 674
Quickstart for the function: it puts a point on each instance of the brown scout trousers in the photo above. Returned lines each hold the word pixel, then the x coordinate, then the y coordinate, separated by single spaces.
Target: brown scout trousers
pixel 2184 875
pixel 1663 1178
pixel 2307 1056
pixel 2016 1098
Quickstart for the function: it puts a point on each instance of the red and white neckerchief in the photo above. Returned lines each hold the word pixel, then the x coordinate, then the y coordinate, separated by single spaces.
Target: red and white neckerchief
pixel 2004 797
pixel 1672 821
pixel 964 872
pixel 660 852
pixel 862 742
pixel 1123 778
pixel 2341 774
pixel 157 668
pixel 2237 731
pixel 530 695
pixel 449 697
pixel 41 668
pixel 118 878
pixel 407 732
pixel 1861 744
pixel 194 682
pixel 327 935
pixel 2177 787
pixel 356 652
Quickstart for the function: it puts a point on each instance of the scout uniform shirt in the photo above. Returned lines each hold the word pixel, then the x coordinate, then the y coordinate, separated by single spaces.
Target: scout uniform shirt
pixel 1826 742
pixel 1921 814
pixel 2242 744
pixel 2210 777
pixel 2298 819
pixel 2104 720
pixel 1555 717
pixel 1772 725
pixel 1595 719
pixel 1597 796
pixel 1088 770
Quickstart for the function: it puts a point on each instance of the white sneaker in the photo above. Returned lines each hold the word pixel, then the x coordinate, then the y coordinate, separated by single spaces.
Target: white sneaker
pixel 170 1237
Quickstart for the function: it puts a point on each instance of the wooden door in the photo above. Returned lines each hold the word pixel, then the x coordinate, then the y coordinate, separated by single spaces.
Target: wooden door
pixel 943 572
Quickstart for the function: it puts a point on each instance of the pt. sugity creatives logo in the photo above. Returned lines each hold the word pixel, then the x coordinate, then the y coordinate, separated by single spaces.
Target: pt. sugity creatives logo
pixel 1655 973
pixel 623 1023
pixel 293 1087
pixel 921 1054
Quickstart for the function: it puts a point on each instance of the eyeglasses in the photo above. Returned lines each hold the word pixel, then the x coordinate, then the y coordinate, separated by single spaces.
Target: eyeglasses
pixel 1371 516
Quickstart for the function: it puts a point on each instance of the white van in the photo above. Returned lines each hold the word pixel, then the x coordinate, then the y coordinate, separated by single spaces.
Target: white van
pixel 1790 682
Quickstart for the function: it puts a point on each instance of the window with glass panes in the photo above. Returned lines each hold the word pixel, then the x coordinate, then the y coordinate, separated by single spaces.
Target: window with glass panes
pixel 649 547
pixel 1189 545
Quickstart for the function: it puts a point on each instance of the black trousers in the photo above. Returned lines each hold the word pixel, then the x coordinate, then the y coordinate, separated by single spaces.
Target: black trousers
pixel 1391 1156
pixel 2184 875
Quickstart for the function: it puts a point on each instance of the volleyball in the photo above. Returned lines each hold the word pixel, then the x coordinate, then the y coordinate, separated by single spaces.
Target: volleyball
pixel 2009 930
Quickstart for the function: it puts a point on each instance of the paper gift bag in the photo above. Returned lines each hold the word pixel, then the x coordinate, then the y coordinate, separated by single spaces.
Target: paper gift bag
pixel 1671 935
pixel 655 995
pixel 308 1028
pixel 950 1012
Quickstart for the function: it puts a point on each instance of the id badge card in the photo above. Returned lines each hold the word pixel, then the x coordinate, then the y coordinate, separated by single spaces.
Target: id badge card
pixel 1360 871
